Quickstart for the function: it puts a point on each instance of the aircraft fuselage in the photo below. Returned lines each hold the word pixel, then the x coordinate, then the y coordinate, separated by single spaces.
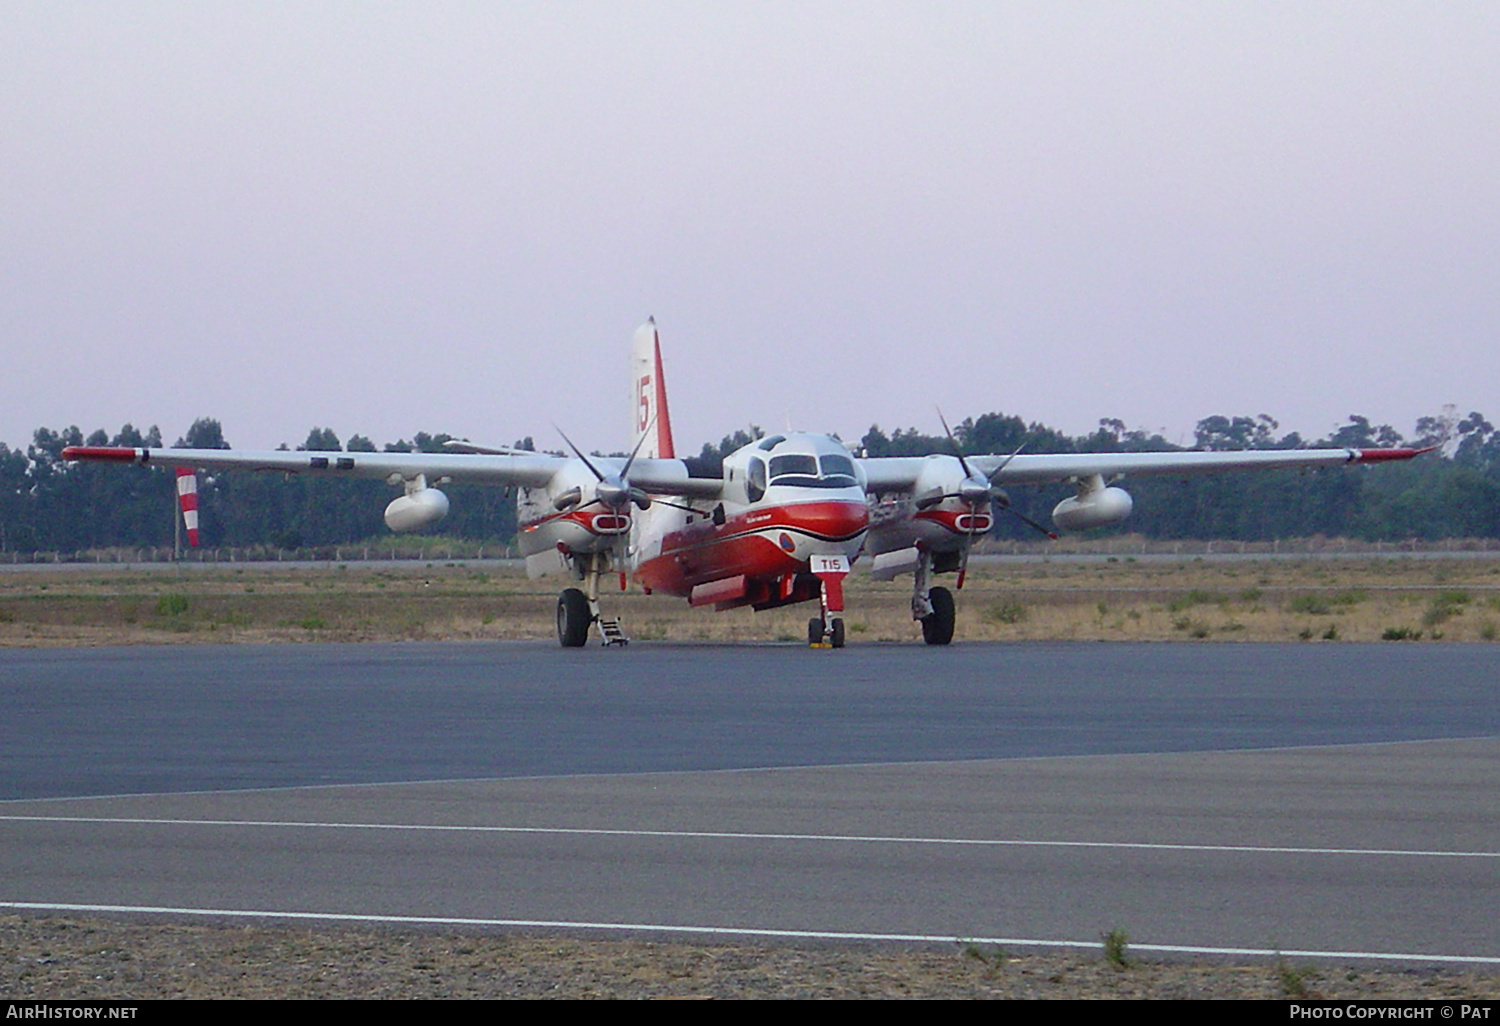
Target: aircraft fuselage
pixel 786 500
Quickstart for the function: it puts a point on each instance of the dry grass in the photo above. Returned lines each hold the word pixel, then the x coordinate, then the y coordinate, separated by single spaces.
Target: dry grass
pixel 1312 600
pixel 69 959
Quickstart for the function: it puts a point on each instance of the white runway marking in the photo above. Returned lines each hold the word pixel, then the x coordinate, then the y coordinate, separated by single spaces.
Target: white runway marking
pixel 751 836
pixel 730 931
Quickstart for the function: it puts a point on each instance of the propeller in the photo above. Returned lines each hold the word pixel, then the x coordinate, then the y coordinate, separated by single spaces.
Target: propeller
pixel 614 491
pixel 975 489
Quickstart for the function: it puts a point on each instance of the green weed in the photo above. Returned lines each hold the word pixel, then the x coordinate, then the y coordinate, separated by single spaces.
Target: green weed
pixel 1400 634
pixel 1293 981
pixel 1313 605
pixel 171 605
pixel 1445 605
pixel 1008 611
pixel 1115 943
pixel 993 957
pixel 1196 597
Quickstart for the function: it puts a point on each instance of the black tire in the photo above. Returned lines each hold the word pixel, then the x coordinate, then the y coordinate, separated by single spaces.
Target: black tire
pixel 937 628
pixel 815 631
pixel 836 633
pixel 573 619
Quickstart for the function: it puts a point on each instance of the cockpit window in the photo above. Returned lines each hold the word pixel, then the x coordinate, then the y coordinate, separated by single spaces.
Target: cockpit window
pixel 839 469
pixel 793 463
pixel 802 470
pixel 755 479
pixel 771 442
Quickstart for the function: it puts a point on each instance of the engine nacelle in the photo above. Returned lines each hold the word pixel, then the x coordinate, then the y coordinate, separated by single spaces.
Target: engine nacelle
pixel 1093 507
pixel 416 509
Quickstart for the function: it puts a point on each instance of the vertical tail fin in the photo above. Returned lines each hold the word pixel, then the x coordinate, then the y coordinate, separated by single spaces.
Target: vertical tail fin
pixel 187 498
pixel 649 395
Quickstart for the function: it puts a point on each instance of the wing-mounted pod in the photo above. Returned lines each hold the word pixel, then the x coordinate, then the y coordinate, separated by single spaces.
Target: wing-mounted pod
pixel 1094 506
pixel 420 507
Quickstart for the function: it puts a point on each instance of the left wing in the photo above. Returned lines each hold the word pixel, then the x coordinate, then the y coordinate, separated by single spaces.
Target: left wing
pixel 972 480
pixel 900 473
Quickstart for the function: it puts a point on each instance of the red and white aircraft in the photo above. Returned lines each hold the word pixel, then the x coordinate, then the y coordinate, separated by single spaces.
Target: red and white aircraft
pixel 781 523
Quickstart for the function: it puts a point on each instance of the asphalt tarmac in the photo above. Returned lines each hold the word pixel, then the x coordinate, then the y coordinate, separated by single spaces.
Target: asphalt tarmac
pixel 1327 799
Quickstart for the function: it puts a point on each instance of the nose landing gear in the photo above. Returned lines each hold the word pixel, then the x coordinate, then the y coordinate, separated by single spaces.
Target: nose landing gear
pixel 823 633
pixel 828 630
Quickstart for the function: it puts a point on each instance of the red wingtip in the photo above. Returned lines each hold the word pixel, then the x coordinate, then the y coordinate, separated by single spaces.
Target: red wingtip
pixel 102 452
pixel 1379 455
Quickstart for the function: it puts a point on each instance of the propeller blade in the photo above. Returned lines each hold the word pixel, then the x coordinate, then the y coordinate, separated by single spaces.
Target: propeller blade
pixel 625 474
pixel 1027 520
pixel 963 559
pixel 578 452
pixel 957 449
pixel 1005 463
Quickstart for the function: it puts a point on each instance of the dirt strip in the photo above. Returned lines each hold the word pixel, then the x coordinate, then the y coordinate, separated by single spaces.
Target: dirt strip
pixel 69 958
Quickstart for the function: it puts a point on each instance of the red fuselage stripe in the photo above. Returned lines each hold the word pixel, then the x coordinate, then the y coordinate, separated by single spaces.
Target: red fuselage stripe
pixel 747 544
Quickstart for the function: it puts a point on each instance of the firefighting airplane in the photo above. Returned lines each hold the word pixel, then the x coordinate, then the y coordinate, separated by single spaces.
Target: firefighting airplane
pixel 780 523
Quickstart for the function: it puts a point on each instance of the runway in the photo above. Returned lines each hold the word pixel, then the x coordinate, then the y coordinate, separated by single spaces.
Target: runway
pixel 1022 793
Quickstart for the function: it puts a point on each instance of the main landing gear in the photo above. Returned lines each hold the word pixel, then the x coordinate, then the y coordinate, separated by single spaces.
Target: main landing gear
pixel 573 619
pixel 937 626
pixel 931 607
pixel 577 611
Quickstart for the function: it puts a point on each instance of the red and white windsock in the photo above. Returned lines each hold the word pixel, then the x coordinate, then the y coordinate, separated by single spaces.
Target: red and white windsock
pixel 187 498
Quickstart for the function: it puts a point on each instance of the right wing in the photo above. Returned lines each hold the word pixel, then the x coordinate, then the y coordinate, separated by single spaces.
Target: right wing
pixel 527 471
pixel 539 470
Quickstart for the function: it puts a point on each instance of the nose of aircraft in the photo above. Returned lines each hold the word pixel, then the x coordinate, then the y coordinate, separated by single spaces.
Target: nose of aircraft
pixel 835 522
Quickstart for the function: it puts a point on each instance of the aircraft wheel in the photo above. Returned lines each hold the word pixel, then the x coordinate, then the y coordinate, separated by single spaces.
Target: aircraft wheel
pixel 573 619
pixel 815 631
pixel 836 634
pixel 937 629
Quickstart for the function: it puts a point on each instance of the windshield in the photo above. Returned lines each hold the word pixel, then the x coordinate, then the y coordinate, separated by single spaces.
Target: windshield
pixel 838 470
pixel 802 470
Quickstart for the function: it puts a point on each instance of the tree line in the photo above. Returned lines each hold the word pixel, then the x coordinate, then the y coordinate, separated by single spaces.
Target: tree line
pixel 47 504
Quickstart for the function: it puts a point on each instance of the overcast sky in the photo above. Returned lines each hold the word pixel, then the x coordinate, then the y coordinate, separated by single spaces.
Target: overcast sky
pixel 389 217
